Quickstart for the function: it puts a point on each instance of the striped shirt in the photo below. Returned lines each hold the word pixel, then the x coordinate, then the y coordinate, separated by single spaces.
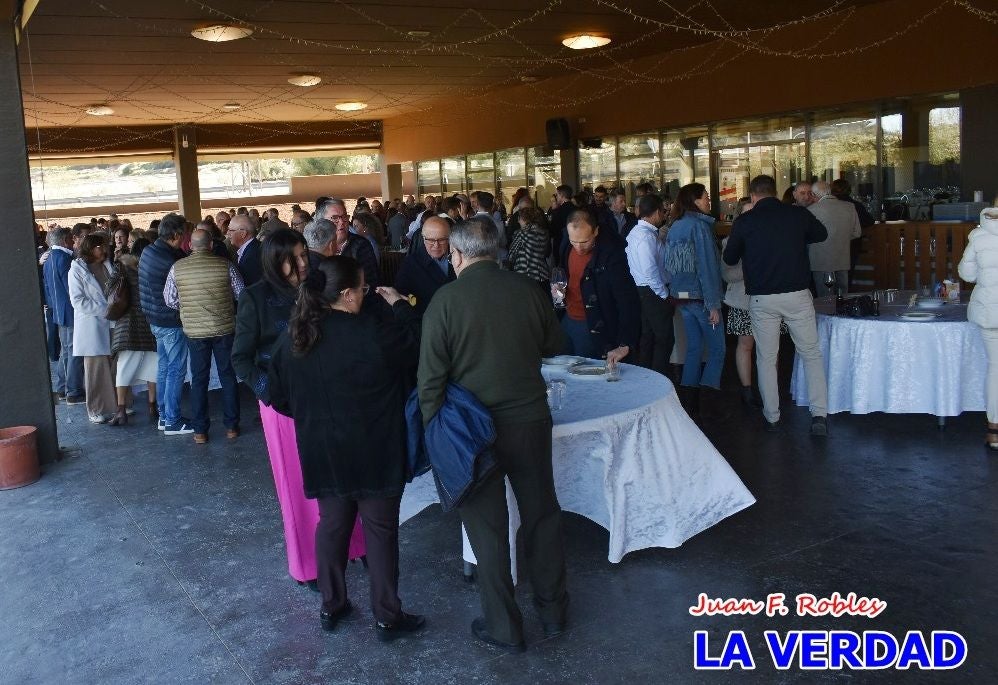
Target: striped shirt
pixel 528 253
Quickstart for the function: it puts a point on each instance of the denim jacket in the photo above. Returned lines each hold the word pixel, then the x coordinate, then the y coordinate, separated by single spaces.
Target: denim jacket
pixel 692 259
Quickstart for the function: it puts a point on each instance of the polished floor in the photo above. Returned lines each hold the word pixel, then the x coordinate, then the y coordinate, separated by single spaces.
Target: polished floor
pixel 145 558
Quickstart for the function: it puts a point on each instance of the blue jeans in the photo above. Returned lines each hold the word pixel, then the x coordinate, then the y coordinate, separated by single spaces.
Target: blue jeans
pixel 699 333
pixel 68 369
pixel 578 338
pixel 202 350
pixel 171 345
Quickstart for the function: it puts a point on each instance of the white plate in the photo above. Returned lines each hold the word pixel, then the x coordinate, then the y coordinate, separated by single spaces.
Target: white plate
pixel 563 360
pixel 919 316
pixel 589 371
pixel 930 303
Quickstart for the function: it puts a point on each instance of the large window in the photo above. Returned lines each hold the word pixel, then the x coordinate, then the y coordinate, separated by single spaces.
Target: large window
pixel 598 165
pixel 453 174
pixel 685 159
pixel 639 161
pixel 428 178
pixel 481 172
pixel 511 173
pixel 844 145
pixel 543 174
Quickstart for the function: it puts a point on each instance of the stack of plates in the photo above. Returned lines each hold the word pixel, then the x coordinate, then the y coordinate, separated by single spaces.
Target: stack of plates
pixel 919 316
pixel 563 361
pixel 930 302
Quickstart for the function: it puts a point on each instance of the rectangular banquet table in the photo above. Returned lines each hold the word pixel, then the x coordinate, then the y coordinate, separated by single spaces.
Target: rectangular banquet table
pixel 627 457
pixel 898 366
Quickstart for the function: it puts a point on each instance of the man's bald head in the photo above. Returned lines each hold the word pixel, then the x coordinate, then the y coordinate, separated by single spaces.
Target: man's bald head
pixel 436 234
pixel 200 240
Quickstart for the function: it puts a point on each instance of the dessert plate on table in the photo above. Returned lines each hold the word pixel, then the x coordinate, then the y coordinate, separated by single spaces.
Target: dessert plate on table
pixel 930 303
pixel 918 316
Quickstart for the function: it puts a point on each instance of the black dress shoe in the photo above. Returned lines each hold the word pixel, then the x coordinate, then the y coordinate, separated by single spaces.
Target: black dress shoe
pixel 479 631
pixel 329 619
pixel 773 427
pixel 408 624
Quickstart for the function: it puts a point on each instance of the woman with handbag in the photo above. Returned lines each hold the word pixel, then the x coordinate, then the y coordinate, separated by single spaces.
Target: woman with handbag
pixel 132 341
pixel 89 276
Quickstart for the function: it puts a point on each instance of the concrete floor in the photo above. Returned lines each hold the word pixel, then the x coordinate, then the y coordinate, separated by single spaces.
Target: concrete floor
pixel 145 558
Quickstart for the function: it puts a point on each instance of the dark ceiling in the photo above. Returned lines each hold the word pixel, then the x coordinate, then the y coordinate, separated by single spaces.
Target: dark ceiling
pixel 139 57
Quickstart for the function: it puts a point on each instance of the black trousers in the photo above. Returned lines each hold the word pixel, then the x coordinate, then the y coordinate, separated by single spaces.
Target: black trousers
pixel 658 334
pixel 523 452
pixel 380 518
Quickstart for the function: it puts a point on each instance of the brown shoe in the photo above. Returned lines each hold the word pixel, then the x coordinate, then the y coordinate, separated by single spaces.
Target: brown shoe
pixel 200 438
pixel 232 433
pixel 121 418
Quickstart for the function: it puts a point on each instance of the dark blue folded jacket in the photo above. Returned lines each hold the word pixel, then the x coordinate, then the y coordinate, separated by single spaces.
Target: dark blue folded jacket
pixel 456 443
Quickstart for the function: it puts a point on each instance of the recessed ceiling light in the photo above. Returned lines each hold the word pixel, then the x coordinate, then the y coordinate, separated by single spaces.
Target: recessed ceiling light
pixel 585 41
pixel 351 106
pixel 99 110
pixel 528 79
pixel 231 105
pixel 418 34
pixel 305 80
pixel 219 33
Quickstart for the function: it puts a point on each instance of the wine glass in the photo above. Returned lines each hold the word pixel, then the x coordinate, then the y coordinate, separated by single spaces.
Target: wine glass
pixel 559 283
pixel 829 279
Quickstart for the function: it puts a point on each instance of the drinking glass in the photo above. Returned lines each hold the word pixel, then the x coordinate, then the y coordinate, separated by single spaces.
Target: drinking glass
pixel 559 283
pixel 613 372
pixel 555 394
pixel 829 279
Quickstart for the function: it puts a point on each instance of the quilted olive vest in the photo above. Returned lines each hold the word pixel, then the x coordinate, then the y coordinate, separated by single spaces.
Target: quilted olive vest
pixel 207 309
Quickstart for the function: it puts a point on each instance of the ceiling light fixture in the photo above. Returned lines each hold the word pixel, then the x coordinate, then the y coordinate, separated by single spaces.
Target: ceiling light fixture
pixel 418 34
pixel 351 106
pixel 99 110
pixel 585 41
pixel 305 80
pixel 528 79
pixel 231 105
pixel 219 33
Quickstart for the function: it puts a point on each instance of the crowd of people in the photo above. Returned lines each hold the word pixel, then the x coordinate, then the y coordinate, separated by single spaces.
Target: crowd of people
pixel 299 312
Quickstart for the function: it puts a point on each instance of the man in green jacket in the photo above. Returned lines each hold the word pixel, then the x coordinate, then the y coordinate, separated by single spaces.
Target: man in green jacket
pixel 488 331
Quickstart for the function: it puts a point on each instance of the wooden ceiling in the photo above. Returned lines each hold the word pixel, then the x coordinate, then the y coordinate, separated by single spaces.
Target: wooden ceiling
pixel 138 56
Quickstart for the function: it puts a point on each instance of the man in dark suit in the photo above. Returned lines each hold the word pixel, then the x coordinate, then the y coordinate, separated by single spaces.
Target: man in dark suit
pixel 242 234
pixel 623 220
pixel 427 266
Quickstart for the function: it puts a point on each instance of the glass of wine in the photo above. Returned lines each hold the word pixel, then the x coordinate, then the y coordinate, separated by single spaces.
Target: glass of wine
pixel 559 283
pixel 830 281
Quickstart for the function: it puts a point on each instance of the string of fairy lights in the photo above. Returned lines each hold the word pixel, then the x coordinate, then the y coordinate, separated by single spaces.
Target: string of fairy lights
pixel 525 74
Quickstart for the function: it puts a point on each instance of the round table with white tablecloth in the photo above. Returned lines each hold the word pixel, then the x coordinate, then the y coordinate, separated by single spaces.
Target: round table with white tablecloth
pixel 627 457
pixel 896 365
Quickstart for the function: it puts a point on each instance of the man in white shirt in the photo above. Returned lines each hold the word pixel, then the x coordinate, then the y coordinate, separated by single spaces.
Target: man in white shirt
pixel 486 205
pixel 645 259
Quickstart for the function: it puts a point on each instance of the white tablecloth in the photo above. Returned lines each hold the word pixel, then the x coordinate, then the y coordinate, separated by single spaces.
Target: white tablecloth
pixel 898 366
pixel 627 457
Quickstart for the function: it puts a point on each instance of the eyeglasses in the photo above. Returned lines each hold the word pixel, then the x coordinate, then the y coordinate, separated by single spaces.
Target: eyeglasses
pixel 364 289
pixel 450 255
pixel 581 243
pixel 340 217
pixel 436 241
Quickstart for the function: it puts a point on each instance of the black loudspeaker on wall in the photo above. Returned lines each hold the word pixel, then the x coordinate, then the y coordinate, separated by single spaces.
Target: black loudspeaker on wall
pixel 558 135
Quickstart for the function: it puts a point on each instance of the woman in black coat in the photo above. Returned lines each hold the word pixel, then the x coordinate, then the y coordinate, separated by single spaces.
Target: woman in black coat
pixel 261 318
pixel 339 373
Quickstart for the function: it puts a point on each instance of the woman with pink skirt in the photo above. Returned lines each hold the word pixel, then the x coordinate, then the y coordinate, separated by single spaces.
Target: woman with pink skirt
pixel 261 317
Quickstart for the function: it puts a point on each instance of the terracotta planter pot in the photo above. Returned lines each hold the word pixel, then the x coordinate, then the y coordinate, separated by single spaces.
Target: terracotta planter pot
pixel 18 457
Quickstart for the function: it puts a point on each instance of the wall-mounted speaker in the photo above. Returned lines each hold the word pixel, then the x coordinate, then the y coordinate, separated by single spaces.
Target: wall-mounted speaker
pixel 559 136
